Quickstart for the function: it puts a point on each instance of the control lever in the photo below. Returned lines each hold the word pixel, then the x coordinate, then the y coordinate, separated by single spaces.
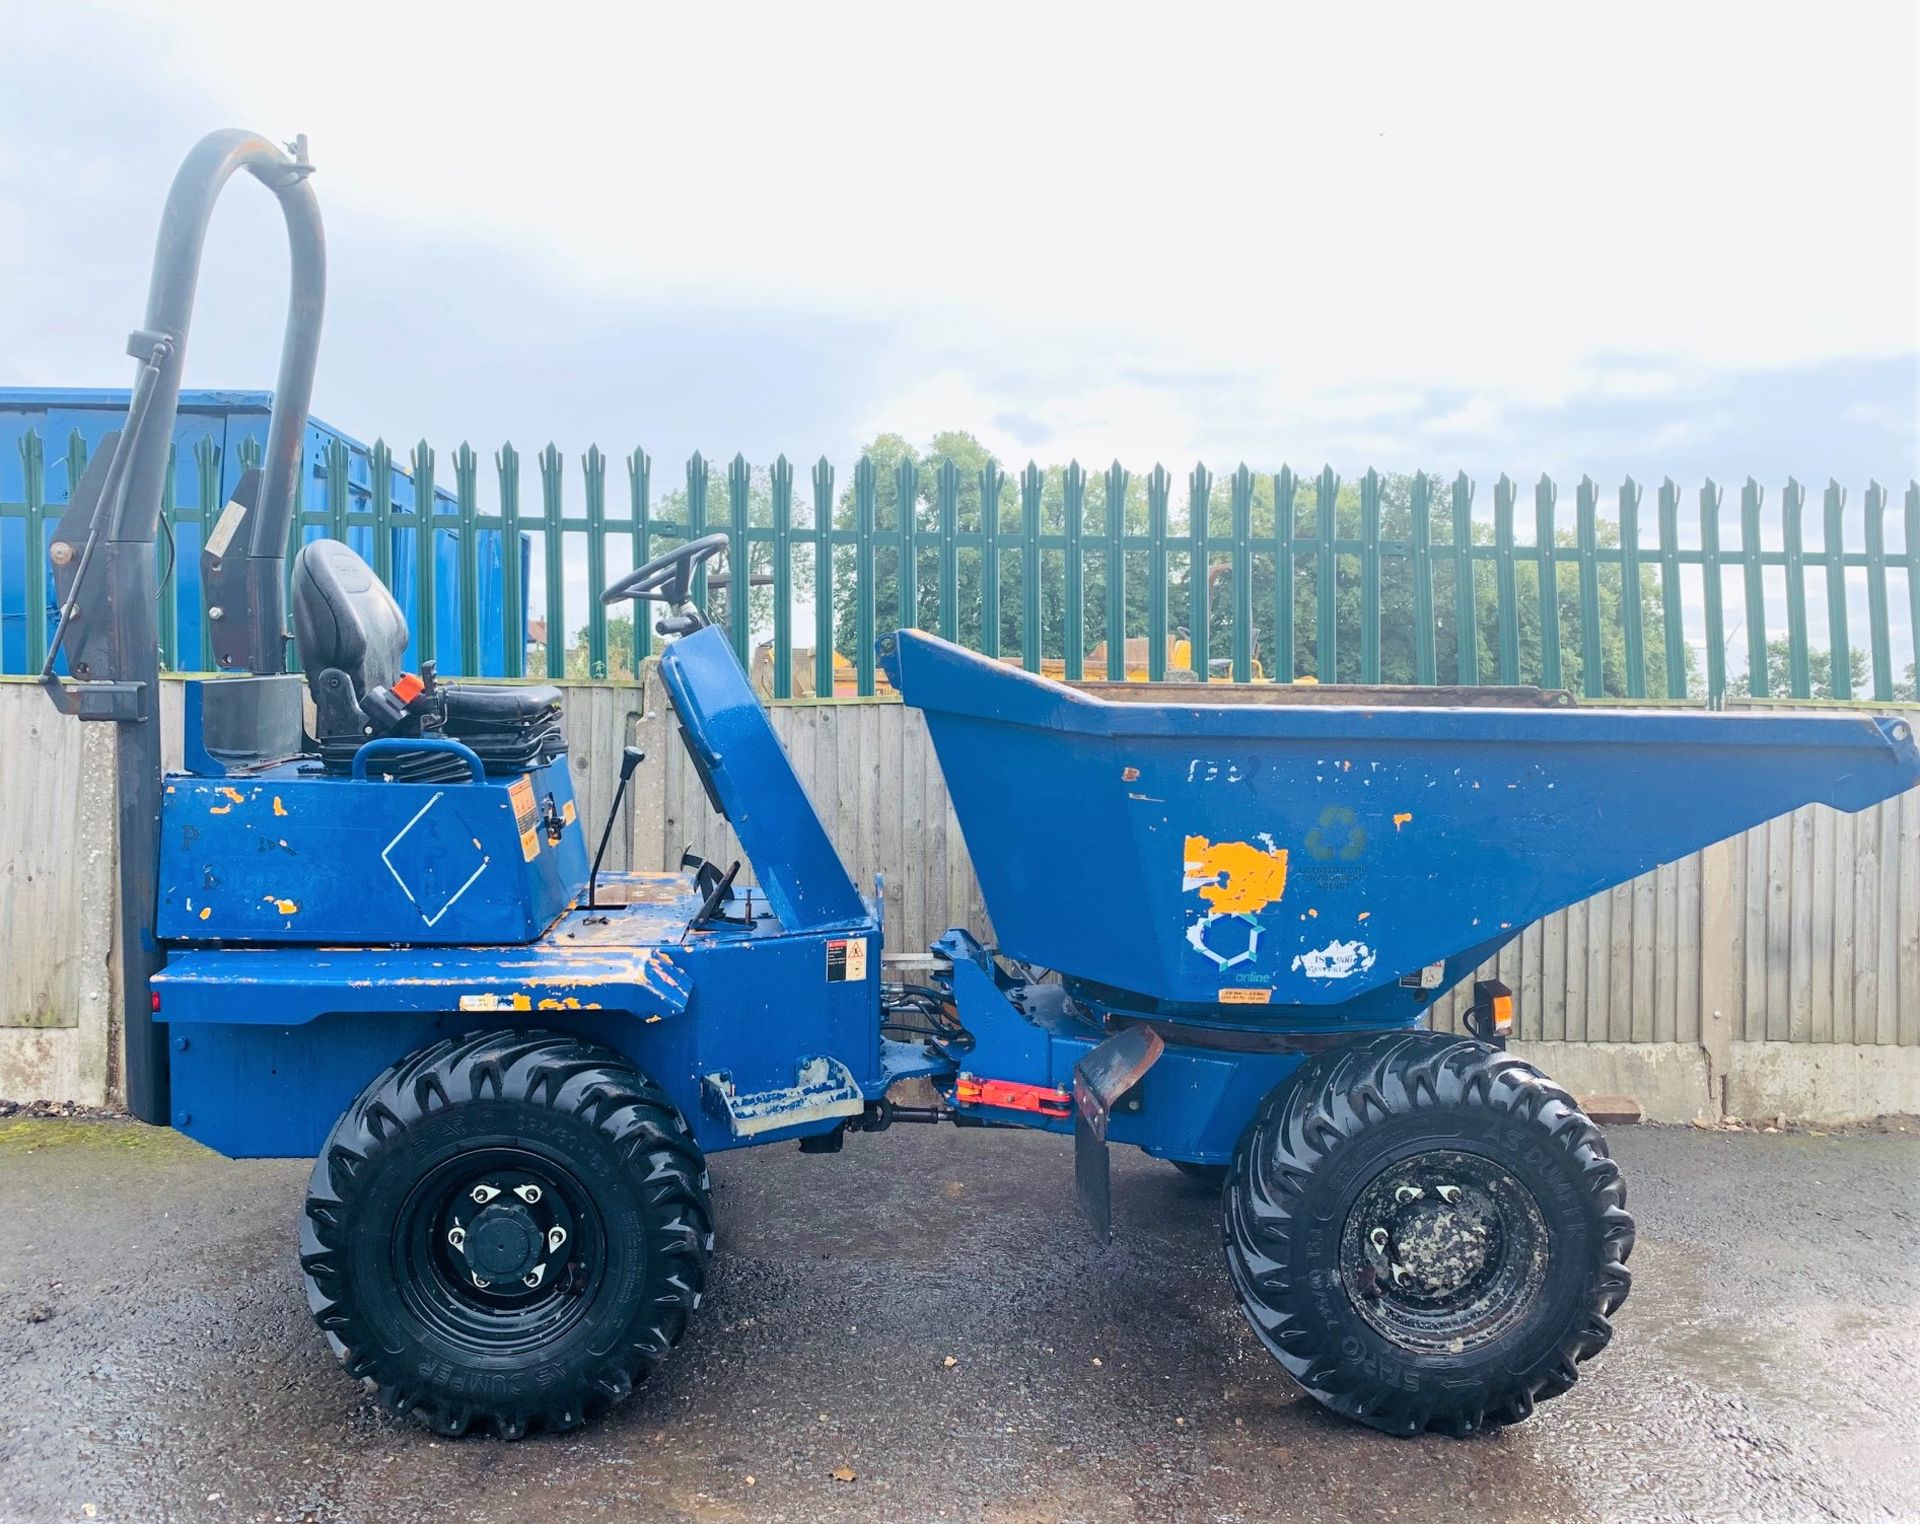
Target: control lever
pixel 630 758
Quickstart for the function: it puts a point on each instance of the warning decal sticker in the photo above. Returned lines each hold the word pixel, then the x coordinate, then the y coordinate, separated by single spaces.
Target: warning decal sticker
pixel 846 960
pixel 526 816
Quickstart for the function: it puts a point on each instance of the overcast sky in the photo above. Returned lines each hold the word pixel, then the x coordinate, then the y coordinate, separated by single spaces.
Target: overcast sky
pixel 1670 239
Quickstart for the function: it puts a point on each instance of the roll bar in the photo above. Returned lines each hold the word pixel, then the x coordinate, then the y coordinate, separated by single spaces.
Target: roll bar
pixel 114 619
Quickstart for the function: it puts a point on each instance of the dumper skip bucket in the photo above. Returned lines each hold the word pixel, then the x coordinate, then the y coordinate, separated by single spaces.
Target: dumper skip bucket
pixel 1285 865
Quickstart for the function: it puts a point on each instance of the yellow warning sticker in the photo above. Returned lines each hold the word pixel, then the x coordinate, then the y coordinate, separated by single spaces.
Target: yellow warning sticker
pixel 1240 995
pixel 526 816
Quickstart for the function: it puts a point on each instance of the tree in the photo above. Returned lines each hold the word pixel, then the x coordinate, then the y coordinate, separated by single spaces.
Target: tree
pixel 1819 673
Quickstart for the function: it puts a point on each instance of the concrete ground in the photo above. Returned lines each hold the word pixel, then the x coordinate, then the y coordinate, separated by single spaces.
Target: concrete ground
pixel 159 1365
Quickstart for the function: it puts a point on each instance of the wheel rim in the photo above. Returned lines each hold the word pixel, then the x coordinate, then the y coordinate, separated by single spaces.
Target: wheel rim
pixel 1443 1252
pixel 499 1250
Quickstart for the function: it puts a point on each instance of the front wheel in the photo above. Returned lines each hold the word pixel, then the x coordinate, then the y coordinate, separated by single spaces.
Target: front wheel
pixel 1427 1233
pixel 507 1230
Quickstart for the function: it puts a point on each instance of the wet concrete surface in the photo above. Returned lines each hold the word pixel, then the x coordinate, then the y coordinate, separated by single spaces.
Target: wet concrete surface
pixel 156 1361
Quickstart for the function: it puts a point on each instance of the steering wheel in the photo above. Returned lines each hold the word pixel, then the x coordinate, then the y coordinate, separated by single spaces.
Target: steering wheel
pixel 668 578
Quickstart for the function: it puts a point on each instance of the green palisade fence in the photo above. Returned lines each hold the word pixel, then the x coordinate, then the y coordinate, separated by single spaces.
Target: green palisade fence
pixel 1250 576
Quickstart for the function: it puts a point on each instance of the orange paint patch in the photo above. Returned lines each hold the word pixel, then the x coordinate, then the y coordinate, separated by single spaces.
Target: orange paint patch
pixel 1129 774
pixel 1400 820
pixel 278 807
pixel 1235 877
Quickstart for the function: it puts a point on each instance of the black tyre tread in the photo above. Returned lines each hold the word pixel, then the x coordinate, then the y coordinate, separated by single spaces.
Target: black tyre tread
pixel 565 1073
pixel 1330 1099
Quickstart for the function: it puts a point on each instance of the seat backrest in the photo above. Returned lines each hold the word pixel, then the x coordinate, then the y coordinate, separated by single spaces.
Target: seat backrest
pixel 344 617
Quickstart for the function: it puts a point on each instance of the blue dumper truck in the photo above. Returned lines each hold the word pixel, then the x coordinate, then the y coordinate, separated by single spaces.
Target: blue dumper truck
pixel 380 937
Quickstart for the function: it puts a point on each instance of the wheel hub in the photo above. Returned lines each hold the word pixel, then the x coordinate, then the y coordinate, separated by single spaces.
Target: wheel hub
pixel 507 1234
pixel 1443 1250
pixel 503 1242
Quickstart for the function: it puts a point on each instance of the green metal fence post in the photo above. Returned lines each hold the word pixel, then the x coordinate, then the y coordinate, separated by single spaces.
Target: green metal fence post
pixel 1506 493
pixel 640 495
pixel 1073 493
pixel 1033 486
pixel 1877 628
pixel 1420 522
pixel 1241 502
pixel 1793 504
pixel 1592 673
pixel 339 489
pixel 1711 590
pixel 992 483
pixel 1326 569
pixel 946 486
pixel 1370 577
pixel 206 470
pixel 1466 603
pixel 466 488
pixel 1159 488
pixel 1840 644
pixel 823 685
pixel 169 589
pixel 1754 578
pixel 863 520
pixel 1913 582
pixel 698 475
pixel 513 632
pixel 1673 630
pixel 1199 571
pixel 593 466
pixel 1286 524
pixel 553 554
pixel 906 507
pixel 34 470
pixel 1116 573
pixel 781 485
pixel 426 633
pixel 1631 590
pixel 1546 551
pixel 739 561
pixel 380 475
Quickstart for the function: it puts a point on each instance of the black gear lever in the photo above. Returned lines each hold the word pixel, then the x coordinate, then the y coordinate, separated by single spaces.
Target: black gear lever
pixel 630 758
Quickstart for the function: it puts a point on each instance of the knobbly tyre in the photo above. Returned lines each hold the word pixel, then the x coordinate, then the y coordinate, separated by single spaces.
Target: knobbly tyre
pixel 382 941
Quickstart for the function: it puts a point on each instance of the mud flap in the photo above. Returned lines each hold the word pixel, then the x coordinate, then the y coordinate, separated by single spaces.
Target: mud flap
pixel 1108 1072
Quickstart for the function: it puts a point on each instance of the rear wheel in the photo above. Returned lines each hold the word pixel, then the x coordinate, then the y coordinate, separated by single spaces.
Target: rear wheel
pixel 1427 1233
pixel 509 1230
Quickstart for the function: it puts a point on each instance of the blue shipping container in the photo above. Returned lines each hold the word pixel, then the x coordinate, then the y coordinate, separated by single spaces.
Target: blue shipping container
pixel 229 419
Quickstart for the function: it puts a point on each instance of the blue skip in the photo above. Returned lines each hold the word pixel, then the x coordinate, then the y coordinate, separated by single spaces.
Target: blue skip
pixel 366 923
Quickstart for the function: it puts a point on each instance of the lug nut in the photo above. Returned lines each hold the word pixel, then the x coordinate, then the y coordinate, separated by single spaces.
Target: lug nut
pixel 457 1236
pixel 1448 1193
pixel 527 1193
pixel 556 1236
pixel 480 1280
pixel 482 1194
pixel 1408 1193
pixel 1378 1238
pixel 536 1276
pixel 1400 1274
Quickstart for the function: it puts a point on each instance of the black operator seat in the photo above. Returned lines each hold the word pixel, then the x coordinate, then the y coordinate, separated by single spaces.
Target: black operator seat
pixel 347 622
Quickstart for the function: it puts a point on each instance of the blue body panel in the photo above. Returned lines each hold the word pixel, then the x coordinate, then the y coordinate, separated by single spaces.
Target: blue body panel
pixel 272 1044
pixel 1283 867
pixel 286 854
pixel 444 908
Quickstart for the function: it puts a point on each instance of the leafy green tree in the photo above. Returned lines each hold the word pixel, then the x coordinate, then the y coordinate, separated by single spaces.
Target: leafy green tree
pixel 1819 673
